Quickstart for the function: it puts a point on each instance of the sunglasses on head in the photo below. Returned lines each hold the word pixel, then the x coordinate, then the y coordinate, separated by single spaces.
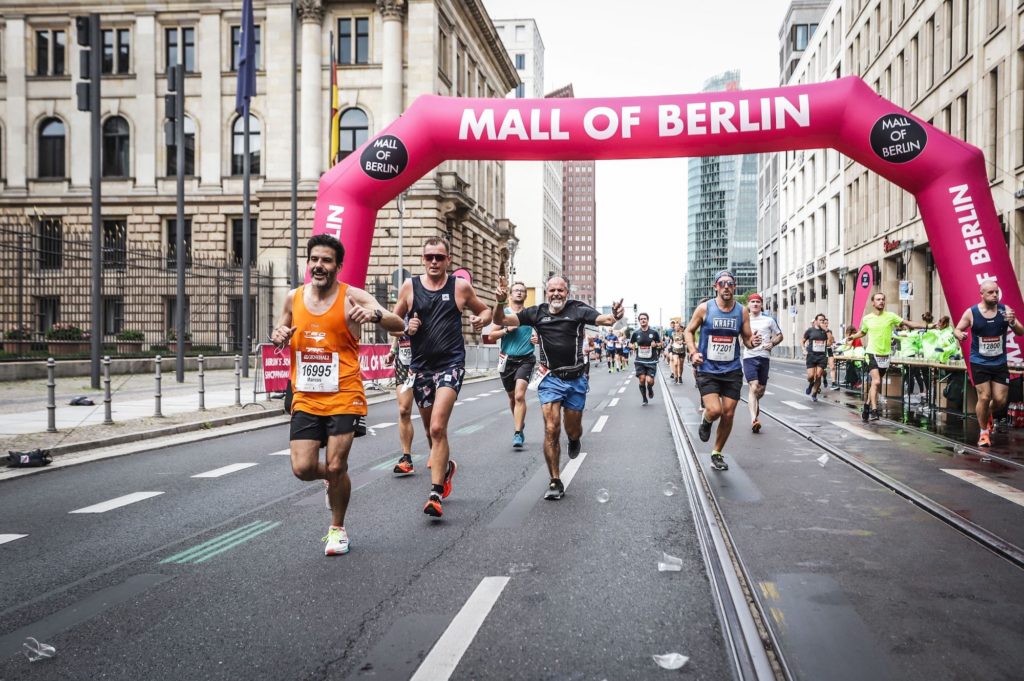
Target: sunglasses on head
pixel 434 257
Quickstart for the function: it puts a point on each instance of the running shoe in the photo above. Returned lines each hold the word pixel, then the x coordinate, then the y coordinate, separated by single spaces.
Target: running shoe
pixel 755 426
pixel 865 413
pixel 337 541
pixel 650 391
pixel 555 490
pixel 984 440
pixel 875 415
pixel 574 448
pixel 704 432
pixel 810 386
pixel 518 440
pixel 404 466
pixel 814 397
pixel 718 462
pixel 449 474
pixel 433 506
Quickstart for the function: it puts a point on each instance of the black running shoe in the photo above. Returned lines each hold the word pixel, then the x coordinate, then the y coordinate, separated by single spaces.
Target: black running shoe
pixel 865 413
pixel 650 391
pixel 874 415
pixel 574 449
pixel 704 432
pixel 718 462
pixel 810 386
pixel 555 490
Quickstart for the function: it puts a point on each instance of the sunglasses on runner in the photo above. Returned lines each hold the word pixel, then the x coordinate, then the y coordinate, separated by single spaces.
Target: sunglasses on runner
pixel 727 284
pixel 434 257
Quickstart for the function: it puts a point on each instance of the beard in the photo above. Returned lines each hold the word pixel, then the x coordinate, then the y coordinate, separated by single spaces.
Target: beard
pixel 556 305
pixel 322 272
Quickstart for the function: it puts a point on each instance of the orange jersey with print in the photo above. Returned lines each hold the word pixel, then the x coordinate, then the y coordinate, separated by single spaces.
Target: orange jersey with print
pixel 323 345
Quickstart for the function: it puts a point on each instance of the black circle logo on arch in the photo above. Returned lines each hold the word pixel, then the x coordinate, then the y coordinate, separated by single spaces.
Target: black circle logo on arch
pixel 384 158
pixel 897 138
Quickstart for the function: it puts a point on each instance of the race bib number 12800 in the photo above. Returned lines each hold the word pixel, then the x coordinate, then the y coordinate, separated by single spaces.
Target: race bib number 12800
pixel 317 372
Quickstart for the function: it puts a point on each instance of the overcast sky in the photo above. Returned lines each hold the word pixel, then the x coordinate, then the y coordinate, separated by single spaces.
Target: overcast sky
pixel 607 48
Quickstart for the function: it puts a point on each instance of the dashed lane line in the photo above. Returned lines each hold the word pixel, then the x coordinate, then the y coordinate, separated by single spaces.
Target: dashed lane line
pixel 795 405
pixel 444 657
pixel 4 538
pixel 622 390
pixel 1011 494
pixel 224 470
pixel 382 425
pixel 571 468
pixel 599 426
pixel 859 432
pixel 614 402
pixel 281 452
pixel 118 502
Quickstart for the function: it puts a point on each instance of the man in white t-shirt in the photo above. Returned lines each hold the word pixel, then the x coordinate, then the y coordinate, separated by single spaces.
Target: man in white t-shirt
pixel 755 361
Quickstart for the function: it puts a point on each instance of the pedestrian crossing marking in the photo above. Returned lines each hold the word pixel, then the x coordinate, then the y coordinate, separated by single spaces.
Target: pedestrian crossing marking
pixel 1007 492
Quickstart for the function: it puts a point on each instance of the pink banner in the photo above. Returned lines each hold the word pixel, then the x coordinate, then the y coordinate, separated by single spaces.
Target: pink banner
pixel 277 368
pixel 371 361
pixel 947 175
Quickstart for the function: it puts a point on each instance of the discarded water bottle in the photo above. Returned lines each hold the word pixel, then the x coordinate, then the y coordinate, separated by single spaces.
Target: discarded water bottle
pixel 823 459
pixel 669 489
pixel 603 496
pixel 671 660
pixel 35 651
pixel 669 563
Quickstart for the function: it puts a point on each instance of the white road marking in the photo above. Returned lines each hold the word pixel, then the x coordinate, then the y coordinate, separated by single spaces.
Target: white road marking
pixel 999 489
pixel 444 657
pixel 415 416
pixel 470 399
pixel 614 402
pixel 4 538
pixel 622 390
pixel 569 472
pixel 224 470
pixel 860 432
pixel 768 392
pixel 110 505
pixel 795 392
pixel 599 426
pixel 383 425
pixel 796 405
pixel 281 452
pixel 458 403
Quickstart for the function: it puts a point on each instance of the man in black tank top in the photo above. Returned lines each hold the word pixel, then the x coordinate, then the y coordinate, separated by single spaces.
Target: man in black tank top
pixel 434 303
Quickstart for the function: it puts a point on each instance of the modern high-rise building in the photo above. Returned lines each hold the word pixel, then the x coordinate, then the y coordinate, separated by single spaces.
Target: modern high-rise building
pixel 533 189
pixel 579 223
pixel 721 215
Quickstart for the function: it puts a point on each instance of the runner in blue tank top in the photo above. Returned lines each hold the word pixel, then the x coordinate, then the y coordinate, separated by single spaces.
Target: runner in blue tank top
pixel 723 324
pixel 989 321
pixel 434 303
pixel 516 362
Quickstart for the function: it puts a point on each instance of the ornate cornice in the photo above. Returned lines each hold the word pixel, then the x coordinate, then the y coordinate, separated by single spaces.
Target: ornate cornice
pixel 392 9
pixel 504 64
pixel 310 11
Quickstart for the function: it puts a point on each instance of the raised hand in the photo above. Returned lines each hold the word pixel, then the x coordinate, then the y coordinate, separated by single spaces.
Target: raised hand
pixel 617 309
pixel 1010 316
pixel 501 293
pixel 361 314
pixel 414 325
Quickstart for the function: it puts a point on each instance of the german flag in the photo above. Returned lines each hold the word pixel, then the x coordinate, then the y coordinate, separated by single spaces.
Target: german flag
pixel 335 113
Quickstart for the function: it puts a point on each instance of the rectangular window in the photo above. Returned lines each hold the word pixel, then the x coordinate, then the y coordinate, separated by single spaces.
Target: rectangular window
pixel 171 315
pixel 927 55
pixel 994 15
pixel 47 312
pixel 444 52
pixel 51 243
pixel 50 53
pixel 362 40
pixel 172 241
pixel 236 46
pixel 964 19
pixel 237 231
pixel 183 38
pixel 946 26
pixel 520 61
pixel 520 91
pixel 354 40
pixel 113 315
pixel 994 123
pixel 344 41
pixel 115 244
pixel 800 37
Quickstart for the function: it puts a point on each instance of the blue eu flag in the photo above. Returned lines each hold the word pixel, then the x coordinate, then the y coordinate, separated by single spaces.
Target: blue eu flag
pixel 246 61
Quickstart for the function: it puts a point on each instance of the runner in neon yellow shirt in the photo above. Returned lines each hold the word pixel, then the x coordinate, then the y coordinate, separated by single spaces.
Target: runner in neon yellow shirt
pixel 878 325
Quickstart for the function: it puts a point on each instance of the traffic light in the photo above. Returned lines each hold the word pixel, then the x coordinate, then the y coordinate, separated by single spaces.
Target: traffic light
pixel 87 31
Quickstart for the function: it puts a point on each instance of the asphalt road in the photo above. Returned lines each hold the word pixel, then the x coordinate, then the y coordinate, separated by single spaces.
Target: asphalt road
pixel 224 577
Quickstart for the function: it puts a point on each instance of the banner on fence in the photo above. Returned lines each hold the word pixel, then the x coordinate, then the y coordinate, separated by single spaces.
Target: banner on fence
pixel 371 361
pixel 277 366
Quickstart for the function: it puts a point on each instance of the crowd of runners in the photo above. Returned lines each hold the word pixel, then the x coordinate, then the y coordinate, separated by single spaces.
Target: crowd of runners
pixel 547 346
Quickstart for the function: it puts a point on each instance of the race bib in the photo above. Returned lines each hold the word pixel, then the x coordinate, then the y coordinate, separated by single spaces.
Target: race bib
pixel 677 345
pixel 882 361
pixel 818 346
pixel 644 352
pixel 538 375
pixel 317 372
pixel 410 381
pixel 722 348
pixel 990 346
pixel 502 359
pixel 405 352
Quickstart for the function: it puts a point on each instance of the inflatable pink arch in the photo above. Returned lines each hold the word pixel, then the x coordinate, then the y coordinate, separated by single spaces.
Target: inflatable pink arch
pixel 946 175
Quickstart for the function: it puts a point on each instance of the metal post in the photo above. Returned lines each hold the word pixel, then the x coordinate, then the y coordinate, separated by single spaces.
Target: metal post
pixel 156 397
pixel 246 249
pixel 107 417
pixel 202 384
pixel 95 73
pixel 293 266
pixel 238 381
pixel 401 242
pixel 21 285
pixel 51 397
pixel 179 138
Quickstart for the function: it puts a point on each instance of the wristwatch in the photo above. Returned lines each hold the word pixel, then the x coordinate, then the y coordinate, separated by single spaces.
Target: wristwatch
pixel 378 315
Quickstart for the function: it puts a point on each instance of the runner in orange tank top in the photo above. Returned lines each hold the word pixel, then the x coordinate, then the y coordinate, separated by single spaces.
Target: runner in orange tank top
pixel 321 323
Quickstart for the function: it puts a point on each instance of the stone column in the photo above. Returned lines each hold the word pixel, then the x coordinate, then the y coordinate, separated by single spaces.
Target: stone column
pixel 210 105
pixel 16 114
pixel 393 12
pixel 149 129
pixel 312 132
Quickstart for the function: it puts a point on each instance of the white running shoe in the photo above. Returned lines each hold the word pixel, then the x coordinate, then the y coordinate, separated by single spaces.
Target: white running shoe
pixel 337 542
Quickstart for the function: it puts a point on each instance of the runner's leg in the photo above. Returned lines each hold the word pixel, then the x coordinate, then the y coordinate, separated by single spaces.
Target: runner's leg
pixel 437 417
pixel 519 406
pixel 753 397
pixel 728 406
pixel 405 429
pixel 339 485
pixel 306 464
pixel 552 437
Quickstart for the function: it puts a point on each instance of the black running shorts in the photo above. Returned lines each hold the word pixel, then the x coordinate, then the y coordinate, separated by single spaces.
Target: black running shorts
pixel 816 359
pixel 726 385
pixel 984 374
pixel 646 369
pixel 307 426
pixel 517 369
pixel 873 364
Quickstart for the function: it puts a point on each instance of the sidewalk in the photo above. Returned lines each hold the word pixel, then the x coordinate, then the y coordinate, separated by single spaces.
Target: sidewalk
pixel 23 412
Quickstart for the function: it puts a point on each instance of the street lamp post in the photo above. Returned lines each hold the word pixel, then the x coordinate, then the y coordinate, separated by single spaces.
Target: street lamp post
pixel 512 246
pixel 401 242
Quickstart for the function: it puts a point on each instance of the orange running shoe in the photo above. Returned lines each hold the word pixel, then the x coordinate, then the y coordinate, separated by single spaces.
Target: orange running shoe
pixel 756 426
pixel 433 507
pixel 984 440
pixel 404 466
pixel 448 479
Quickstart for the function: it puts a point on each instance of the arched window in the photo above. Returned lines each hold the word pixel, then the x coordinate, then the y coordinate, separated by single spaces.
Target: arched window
pixel 115 147
pixel 51 148
pixel 353 128
pixel 238 146
pixel 190 152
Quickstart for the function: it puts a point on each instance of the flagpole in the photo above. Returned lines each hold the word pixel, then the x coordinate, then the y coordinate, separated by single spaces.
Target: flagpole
pixel 246 250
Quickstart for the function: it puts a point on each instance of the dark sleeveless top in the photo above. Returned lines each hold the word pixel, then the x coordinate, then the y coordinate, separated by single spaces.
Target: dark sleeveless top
pixel 438 345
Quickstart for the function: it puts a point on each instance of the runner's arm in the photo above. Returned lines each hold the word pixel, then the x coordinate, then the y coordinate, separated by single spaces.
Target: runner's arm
pixel 481 316
pixel 283 331
pixel 746 332
pixel 389 320
pixel 965 323
pixel 913 325
pixel 691 328
pixel 404 304
pixel 1017 327
pixel 609 319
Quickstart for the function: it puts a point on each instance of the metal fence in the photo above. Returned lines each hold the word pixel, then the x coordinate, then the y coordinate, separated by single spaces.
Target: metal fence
pixel 45 288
